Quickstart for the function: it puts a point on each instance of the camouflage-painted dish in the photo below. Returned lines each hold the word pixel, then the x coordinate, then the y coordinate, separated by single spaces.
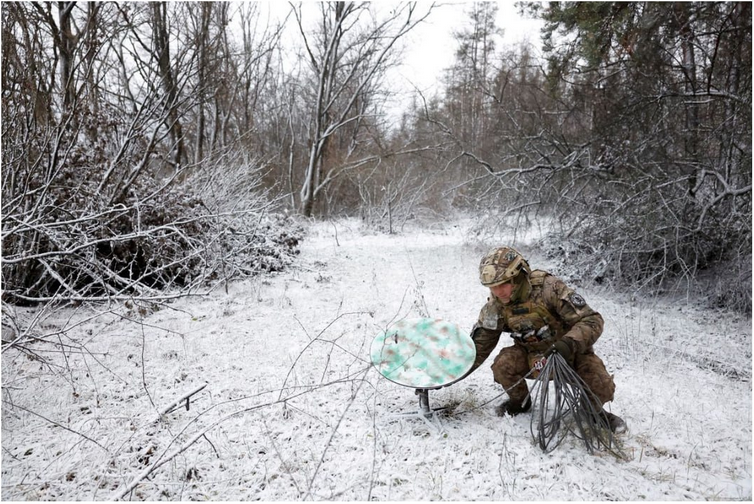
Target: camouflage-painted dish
pixel 423 353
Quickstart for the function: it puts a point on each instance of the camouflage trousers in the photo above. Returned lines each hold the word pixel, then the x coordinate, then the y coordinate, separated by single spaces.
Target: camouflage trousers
pixel 512 364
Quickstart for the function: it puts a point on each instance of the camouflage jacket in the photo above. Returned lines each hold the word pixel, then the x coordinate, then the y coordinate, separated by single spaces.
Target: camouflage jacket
pixel 551 305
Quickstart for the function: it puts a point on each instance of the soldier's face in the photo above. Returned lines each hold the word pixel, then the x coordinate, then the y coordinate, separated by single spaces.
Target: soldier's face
pixel 503 292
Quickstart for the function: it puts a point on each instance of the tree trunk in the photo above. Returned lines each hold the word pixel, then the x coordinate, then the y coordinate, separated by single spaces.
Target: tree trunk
pixel 203 37
pixel 66 47
pixel 161 38
pixel 691 141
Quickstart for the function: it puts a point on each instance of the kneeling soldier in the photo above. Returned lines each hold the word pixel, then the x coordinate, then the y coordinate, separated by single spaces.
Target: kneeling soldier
pixel 544 316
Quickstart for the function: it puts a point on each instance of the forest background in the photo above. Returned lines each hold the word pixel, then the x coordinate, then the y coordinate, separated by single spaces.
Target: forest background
pixel 149 146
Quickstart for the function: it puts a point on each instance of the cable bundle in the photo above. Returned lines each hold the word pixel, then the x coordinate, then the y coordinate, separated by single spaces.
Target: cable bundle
pixel 571 408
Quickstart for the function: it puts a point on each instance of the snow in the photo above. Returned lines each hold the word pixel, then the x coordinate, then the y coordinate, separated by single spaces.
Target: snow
pixel 293 410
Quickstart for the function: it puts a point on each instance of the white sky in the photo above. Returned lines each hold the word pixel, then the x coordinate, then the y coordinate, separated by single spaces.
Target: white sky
pixel 431 47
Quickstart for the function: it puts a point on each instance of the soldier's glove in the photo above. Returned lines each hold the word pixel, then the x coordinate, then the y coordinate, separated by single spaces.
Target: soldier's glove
pixel 564 347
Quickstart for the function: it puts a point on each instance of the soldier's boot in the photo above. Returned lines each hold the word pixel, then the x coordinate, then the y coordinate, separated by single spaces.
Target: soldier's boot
pixel 513 408
pixel 614 422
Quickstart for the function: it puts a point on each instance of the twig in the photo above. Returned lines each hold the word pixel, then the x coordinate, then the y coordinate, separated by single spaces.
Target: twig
pixel 56 424
pixel 212 445
pixel 336 234
pixel 316 338
pixel 418 288
pixel 285 465
pixel 332 435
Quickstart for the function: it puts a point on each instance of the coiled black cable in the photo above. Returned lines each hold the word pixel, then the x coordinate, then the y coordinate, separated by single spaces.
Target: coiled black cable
pixel 571 408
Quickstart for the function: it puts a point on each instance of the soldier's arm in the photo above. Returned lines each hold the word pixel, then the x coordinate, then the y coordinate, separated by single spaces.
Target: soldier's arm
pixel 485 334
pixel 585 324
pixel 485 341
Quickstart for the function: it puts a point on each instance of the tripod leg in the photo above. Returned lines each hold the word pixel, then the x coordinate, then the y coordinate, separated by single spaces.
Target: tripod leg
pixel 423 401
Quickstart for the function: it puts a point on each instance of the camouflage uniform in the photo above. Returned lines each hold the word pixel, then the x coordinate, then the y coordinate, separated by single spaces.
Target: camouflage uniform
pixel 541 312
pixel 548 302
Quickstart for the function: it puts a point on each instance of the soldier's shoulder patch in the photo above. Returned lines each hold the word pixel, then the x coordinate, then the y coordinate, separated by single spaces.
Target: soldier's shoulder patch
pixel 490 315
pixel 576 300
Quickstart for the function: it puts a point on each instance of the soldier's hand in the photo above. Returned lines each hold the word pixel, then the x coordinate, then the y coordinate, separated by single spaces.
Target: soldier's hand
pixel 564 347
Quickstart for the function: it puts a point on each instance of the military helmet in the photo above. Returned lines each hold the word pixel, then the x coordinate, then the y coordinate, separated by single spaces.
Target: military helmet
pixel 502 265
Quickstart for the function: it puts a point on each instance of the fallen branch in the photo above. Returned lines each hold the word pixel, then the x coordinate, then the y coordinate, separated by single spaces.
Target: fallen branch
pixel 175 404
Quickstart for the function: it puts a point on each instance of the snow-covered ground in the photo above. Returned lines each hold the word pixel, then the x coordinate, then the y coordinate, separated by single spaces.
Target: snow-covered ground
pixel 293 410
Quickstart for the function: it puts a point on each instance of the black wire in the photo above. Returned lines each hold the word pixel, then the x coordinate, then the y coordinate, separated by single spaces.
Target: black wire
pixel 571 407
pixel 504 392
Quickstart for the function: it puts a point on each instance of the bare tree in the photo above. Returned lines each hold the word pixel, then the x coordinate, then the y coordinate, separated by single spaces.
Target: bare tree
pixel 346 55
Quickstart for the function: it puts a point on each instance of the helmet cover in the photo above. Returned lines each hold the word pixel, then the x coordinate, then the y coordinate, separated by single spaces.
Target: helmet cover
pixel 502 265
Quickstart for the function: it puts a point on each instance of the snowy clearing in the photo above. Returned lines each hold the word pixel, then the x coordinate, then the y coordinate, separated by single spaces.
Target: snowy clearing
pixel 293 410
